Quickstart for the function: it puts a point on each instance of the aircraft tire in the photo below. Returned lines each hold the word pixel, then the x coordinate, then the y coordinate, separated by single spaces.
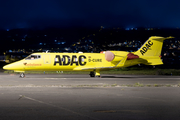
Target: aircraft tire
pixel 92 74
pixel 22 75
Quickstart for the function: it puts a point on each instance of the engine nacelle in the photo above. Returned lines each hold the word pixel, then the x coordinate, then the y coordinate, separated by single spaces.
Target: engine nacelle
pixel 114 56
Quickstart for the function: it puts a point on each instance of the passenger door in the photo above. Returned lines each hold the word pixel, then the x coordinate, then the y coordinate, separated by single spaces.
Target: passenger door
pixel 47 61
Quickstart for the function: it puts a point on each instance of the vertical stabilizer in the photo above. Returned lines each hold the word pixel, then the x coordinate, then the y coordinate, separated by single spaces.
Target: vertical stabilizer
pixel 152 47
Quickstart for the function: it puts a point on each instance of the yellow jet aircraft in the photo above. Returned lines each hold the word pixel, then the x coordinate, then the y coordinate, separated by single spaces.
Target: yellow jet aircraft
pixel 148 54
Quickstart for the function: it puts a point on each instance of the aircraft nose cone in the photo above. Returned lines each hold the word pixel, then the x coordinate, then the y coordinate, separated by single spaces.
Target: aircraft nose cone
pixel 6 67
pixel 17 66
pixel 11 66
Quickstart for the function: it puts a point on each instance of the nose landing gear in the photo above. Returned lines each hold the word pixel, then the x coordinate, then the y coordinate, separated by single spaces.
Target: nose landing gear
pixel 22 75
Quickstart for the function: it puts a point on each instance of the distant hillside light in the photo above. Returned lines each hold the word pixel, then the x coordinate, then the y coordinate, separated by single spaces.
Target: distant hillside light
pixel 127 28
pixel 7 29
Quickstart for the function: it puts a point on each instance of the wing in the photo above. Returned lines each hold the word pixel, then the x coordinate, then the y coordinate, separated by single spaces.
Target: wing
pixel 120 64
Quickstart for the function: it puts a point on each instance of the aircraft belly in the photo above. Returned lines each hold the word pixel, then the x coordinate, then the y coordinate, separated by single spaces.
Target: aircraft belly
pixel 64 68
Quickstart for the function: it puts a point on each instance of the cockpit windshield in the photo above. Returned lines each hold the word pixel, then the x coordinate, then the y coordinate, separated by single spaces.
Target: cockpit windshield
pixel 32 57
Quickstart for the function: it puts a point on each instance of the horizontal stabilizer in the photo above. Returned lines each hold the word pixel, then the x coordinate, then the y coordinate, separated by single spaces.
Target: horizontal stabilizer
pixel 156 61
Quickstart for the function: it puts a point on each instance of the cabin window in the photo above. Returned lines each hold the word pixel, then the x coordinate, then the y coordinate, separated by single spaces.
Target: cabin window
pixel 62 59
pixel 56 59
pixel 82 59
pixel 69 59
pixel 33 57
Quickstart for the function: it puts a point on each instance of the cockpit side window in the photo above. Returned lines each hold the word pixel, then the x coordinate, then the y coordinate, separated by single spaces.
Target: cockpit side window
pixel 33 57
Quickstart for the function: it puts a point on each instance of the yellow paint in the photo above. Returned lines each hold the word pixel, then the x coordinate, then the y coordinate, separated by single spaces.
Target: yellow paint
pixel 95 62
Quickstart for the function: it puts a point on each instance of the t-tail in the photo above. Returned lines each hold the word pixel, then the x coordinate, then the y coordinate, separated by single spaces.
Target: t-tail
pixel 151 50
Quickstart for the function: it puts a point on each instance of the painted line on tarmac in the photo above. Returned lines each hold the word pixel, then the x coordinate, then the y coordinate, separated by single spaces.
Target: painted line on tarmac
pixel 89 86
pixel 54 78
pixel 62 108
pixel 110 78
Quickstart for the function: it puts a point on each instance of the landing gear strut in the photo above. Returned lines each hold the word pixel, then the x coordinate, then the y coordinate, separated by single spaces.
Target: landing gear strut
pixel 22 75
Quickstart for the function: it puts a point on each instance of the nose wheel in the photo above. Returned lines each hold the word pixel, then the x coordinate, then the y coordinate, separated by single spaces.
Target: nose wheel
pixel 22 75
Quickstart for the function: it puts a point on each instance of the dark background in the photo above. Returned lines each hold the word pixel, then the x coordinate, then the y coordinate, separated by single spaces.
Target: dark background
pixel 89 13
pixel 88 26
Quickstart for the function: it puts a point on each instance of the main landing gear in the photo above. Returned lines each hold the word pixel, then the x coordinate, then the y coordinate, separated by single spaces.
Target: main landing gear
pixel 92 74
pixel 95 74
pixel 22 75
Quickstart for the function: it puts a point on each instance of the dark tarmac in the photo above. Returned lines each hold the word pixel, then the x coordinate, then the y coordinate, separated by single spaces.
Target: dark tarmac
pixel 79 97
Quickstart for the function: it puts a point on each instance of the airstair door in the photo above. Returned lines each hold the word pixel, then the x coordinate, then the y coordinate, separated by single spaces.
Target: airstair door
pixel 47 62
pixel 47 59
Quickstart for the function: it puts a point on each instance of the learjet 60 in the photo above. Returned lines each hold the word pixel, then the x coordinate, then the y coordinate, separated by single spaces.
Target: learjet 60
pixel 148 54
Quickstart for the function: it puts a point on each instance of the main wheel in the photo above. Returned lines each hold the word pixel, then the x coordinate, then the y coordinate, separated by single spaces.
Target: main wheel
pixel 22 75
pixel 92 74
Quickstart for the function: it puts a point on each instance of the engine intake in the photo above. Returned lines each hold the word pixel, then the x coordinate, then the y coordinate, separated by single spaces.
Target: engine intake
pixel 109 56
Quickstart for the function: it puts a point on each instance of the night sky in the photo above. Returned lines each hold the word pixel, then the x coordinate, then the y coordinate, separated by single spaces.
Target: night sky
pixel 89 13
